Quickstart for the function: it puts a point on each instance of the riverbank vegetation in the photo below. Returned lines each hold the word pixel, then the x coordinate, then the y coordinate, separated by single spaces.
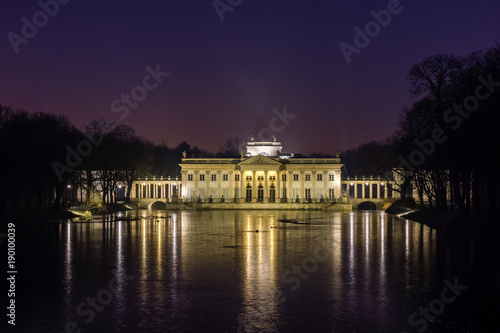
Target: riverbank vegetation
pixel 447 139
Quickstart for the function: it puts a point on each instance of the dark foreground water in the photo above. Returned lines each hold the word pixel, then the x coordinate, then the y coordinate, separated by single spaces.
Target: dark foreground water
pixel 212 271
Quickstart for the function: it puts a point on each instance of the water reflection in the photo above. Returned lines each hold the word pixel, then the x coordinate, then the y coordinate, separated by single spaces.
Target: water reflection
pixel 246 270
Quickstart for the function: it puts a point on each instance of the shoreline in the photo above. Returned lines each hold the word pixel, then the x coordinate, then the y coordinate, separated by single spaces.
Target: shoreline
pixel 454 225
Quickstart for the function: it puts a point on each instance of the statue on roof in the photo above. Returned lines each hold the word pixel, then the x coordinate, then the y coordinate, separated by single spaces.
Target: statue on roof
pixel 251 138
pixel 184 154
pixel 275 139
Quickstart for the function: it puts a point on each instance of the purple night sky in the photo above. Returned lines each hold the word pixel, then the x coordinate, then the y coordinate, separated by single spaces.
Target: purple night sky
pixel 226 77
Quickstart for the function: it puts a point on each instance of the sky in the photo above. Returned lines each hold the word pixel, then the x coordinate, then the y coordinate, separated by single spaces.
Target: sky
pixel 203 71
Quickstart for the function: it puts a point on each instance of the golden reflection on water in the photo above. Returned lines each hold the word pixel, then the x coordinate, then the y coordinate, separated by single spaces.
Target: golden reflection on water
pixel 259 281
pixel 181 262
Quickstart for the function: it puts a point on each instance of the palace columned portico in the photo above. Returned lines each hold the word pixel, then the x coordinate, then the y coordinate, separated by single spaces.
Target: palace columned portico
pixel 156 188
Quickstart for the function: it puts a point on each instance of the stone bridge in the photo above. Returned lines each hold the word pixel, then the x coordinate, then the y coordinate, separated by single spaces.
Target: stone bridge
pixel 367 203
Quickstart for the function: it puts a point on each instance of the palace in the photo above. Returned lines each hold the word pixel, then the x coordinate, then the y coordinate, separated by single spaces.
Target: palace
pixel 263 174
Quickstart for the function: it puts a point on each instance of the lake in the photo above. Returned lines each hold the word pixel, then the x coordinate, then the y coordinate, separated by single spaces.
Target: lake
pixel 247 271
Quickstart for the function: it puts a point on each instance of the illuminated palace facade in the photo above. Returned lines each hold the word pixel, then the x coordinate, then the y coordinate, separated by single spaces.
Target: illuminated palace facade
pixel 262 174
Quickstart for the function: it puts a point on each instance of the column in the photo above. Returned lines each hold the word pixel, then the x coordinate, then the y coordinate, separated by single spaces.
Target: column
pixel 208 179
pixel 183 193
pixel 195 189
pixel 277 196
pixel 301 180
pixel 313 189
pixel 289 191
pixel 254 187
pixel 266 187
pixel 219 187
pixel 325 185
pixel 242 187
pixel 231 187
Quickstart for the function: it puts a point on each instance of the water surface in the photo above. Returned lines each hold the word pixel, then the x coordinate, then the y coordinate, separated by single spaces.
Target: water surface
pixel 245 271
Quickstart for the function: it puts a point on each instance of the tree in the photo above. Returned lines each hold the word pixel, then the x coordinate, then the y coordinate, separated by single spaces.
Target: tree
pixel 231 147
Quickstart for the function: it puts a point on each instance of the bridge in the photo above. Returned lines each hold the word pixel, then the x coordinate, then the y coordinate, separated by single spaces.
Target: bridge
pixel 371 204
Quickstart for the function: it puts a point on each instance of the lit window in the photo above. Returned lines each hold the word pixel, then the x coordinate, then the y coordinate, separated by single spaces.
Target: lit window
pixel 295 177
pixel 320 177
pixel 190 177
pixel 331 177
pixel 202 177
pixel 308 177
pixel 225 177
pixel 214 177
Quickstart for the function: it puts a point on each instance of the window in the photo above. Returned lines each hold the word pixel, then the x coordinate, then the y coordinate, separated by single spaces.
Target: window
pixel 237 178
pixel 214 177
pixel 283 178
pixel 331 194
pixel 190 177
pixel 248 178
pixel 225 177
pixel 308 177
pixel 260 177
pixel 272 178
pixel 295 177
pixel 202 176
pixel 331 177
pixel 320 177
